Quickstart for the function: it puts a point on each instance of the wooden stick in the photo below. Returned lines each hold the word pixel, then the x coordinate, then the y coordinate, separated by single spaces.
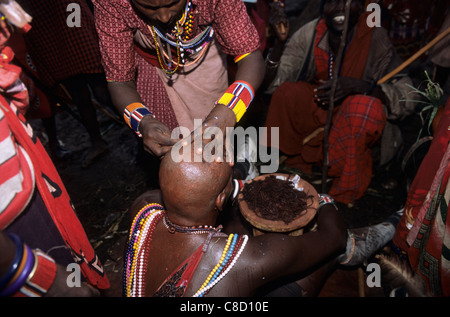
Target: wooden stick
pixel 313 135
pixel 336 68
pixel 361 282
pixel 414 57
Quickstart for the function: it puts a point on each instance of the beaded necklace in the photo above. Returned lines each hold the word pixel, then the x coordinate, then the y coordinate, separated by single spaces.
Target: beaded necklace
pixel 181 39
pixel 330 64
pixel 233 248
pixel 169 67
pixel 136 254
pixel 172 228
pixel 139 241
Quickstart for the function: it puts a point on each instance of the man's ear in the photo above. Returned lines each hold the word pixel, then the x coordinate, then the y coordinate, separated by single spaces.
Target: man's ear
pixel 220 201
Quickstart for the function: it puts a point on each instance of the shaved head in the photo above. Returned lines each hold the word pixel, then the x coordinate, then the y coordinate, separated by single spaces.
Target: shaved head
pixel 191 188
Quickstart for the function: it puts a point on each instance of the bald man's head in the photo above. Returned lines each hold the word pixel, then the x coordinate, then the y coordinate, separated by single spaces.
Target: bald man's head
pixel 190 188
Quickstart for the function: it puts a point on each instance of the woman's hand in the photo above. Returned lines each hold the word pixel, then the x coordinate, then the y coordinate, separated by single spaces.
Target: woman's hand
pixel 156 136
pixel 220 117
pixel 278 21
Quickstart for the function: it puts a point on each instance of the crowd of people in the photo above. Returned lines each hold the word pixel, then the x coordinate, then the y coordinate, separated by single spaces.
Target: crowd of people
pixel 163 66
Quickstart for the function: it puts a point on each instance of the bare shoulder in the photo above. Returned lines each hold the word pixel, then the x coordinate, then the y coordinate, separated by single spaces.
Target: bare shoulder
pixel 148 197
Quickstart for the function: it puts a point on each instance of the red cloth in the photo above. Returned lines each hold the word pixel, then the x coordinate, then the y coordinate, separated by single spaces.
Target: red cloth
pixel 357 123
pixel 355 55
pixel 15 129
pixel 422 233
pixel 55 197
pixel 176 284
pixel 356 126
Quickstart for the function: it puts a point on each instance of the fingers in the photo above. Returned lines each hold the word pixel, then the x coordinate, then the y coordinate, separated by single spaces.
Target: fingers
pixel 321 96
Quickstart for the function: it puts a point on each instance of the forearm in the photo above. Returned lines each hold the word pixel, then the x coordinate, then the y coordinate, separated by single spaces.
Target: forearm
pixel 123 94
pixel 327 241
pixel 239 95
pixel 332 226
pixel 297 254
pixel 272 62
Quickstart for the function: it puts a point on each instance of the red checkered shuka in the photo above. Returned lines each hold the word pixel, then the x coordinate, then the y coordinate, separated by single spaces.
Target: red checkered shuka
pixel 357 125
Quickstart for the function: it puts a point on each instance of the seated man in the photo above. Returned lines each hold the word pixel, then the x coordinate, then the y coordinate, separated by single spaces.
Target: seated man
pixel 300 76
pixel 287 204
pixel 178 249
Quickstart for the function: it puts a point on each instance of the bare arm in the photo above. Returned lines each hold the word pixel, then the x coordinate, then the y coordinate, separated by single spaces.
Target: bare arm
pixel 251 69
pixel 296 254
pixel 123 93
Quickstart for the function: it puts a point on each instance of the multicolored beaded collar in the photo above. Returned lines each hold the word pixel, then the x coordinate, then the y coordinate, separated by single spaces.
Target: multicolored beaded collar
pixel 137 252
pixel 181 39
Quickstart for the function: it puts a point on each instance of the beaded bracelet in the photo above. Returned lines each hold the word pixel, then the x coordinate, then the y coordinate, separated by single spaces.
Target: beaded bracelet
pixel 133 115
pixel 325 199
pixel 237 97
pixel 238 184
pixel 41 277
pixel 7 277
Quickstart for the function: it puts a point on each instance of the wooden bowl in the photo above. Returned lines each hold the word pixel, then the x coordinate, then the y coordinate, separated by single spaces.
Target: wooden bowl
pixel 296 226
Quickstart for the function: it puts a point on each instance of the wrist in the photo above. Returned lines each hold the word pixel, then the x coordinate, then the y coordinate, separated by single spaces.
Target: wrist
pixel 325 199
pixel 134 113
pixel 369 88
pixel 273 57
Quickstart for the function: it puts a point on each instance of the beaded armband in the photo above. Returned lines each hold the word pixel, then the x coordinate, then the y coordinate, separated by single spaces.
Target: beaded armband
pixel 237 97
pixel 240 57
pixel 133 115
pixel 325 199
pixel 31 273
